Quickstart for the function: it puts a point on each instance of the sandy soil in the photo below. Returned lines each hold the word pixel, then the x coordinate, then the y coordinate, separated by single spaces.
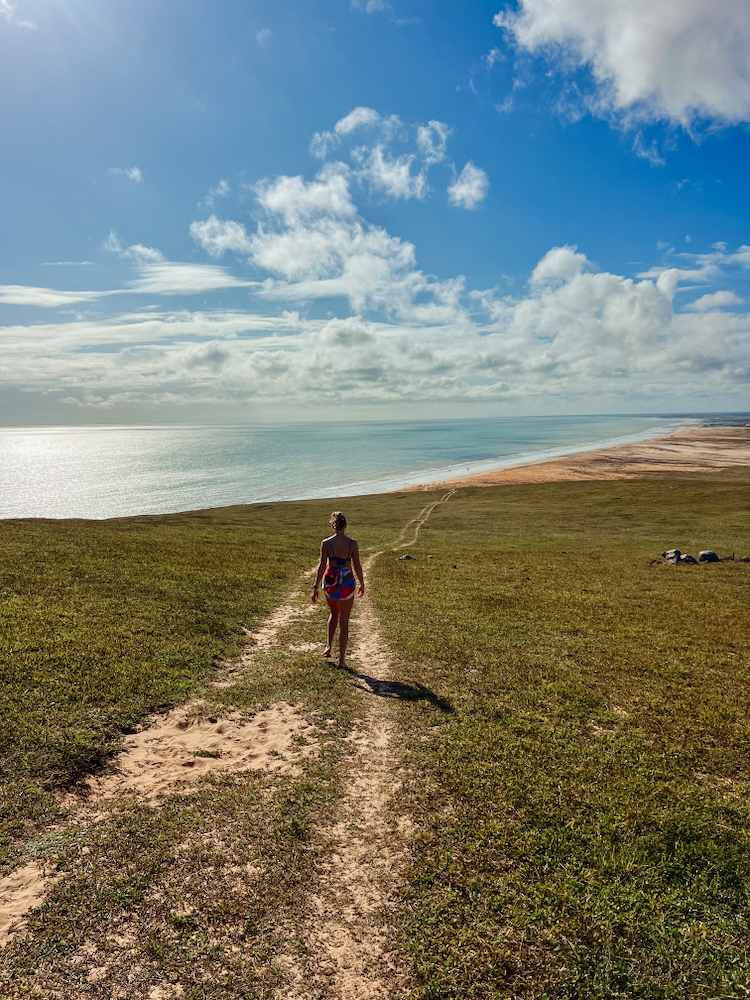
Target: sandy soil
pixel 350 956
pixel 20 892
pixel 690 449
pixel 179 749
pixel 173 752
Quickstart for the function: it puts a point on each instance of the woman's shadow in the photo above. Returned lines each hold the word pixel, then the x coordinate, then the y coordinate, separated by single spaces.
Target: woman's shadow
pixel 398 689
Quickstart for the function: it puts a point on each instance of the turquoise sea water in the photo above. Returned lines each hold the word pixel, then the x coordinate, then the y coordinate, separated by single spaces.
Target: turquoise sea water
pixel 98 472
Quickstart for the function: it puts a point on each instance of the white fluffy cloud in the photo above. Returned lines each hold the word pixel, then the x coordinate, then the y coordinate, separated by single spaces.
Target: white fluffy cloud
pixel 601 332
pixel 316 246
pixel 391 175
pixel 295 200
pixel 220 236
pixel 358 118
pixel 716 300
pixel 395 174
pixel 699 268
pixel 470 187
pixel 676 60
pixel 579 332
pixel 337 259
pixel 391 332
pixel 559 264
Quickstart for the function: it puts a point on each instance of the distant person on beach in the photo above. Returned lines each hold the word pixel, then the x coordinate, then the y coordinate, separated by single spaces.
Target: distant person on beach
pixel 339 561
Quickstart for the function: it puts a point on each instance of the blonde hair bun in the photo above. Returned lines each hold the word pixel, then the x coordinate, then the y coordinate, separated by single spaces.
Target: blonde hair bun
pixel 337 520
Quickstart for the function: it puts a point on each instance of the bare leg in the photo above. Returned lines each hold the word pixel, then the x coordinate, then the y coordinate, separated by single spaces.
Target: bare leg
pixel 333 620
pixel 345 609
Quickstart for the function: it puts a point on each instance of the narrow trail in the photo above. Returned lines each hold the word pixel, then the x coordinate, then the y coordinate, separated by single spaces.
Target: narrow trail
pixel 344 931
pixel 346 936
pixel 405 540
pixel 266 635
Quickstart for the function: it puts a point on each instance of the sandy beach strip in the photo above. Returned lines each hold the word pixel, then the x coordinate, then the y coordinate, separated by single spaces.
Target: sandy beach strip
pixel 688 449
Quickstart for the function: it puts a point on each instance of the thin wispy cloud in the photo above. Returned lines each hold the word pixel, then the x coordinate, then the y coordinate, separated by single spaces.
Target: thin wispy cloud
pixel 12 16
pixel 222 189
pixel 493 57
pixel 505 106
pixel 370 6
pixel 432 141
pixel 136 251
pixel 67 263
pixel 44 298
pixel 134 174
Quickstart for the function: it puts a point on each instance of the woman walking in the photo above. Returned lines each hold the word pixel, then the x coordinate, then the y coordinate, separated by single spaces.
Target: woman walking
pixel 338 554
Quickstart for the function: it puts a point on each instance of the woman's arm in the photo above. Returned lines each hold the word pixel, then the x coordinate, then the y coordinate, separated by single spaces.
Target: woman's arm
pixel 320 572
pixel 358 569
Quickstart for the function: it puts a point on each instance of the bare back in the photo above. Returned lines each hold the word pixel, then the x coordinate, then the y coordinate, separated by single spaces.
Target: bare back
pixel 339 545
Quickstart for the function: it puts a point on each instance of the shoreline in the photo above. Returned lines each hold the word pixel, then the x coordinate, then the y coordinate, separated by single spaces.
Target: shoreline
pixel 687 449
pixel 687 446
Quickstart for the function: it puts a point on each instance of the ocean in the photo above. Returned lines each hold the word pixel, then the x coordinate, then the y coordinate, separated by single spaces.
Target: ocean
pixel 99 472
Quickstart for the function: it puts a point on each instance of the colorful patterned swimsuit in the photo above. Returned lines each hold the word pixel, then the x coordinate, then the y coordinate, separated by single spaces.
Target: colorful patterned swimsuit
pixel 339 583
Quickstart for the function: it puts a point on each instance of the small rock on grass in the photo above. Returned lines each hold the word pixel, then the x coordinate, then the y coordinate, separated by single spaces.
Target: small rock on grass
pixel 406 556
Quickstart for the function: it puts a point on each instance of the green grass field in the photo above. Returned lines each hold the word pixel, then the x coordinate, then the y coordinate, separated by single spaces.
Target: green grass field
pixel 584 815
pixel 581 817
pixel 102 622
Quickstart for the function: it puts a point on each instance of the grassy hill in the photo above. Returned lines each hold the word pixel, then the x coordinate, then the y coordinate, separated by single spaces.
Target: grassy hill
pixel 576 756
pixel 583 816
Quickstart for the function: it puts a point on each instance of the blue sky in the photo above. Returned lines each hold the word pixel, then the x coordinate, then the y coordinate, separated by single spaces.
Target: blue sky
pixel 252 210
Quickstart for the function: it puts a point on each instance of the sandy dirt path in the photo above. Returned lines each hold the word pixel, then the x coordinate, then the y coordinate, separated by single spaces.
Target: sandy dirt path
pixel 348 954
pixel 364 847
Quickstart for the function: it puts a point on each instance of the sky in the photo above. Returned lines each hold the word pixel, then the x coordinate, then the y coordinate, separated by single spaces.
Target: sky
pixel 231 210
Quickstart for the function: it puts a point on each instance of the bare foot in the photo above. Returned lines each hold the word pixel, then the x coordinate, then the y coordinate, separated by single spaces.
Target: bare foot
pixel 327 652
